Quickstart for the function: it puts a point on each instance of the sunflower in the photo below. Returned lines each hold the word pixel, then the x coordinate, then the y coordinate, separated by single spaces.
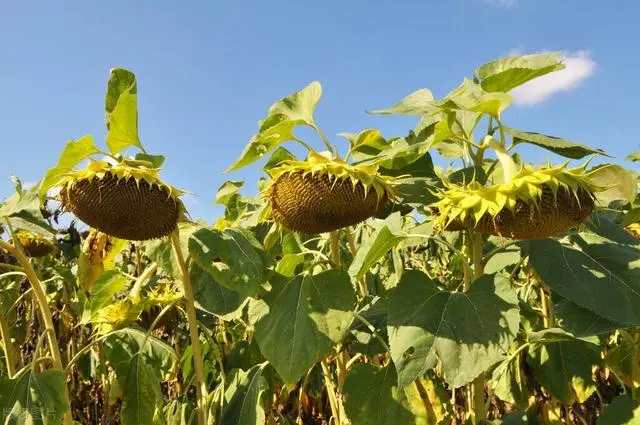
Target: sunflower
pixel 125 201
pixel 324 193
pixel 532 203
pixel 35 245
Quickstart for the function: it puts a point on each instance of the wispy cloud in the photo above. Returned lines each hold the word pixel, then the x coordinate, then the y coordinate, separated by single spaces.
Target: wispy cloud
pixel 579 67
pixel 503 3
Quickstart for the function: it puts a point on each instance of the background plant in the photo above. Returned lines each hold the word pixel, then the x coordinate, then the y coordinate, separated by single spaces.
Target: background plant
pixel 390 321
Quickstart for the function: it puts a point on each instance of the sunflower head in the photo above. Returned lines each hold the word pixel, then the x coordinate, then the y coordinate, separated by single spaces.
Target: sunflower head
pixel 322 194
pixel 535 203
pixel 122 200
pixel 35 245
pixel 116 315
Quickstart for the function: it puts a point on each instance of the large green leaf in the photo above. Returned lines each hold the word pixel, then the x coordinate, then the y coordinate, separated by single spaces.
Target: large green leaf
pixel 23 210
pixel 301 318
pixel 212 297
pixel 242 397
pixel 121 110
pixel 467 331
pixel 122 346
pixel 33 398
pixel 505 74
pixel 283 116
pixel 562 364
pixel 581 321
pixel 623 410
pixel 232 256
pixel 228 188
pixel 509 382
pixel 72 154
pixel 470 96
pixel 633 156
pixel 594 272
pixel 277 157
pixel 373 397
pixel 386 236
pixel 143 402
pixel 420 102
pixel 557 145
pixel 620 183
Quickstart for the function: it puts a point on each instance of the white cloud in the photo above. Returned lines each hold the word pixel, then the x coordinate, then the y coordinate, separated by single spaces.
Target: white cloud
pixel 579 67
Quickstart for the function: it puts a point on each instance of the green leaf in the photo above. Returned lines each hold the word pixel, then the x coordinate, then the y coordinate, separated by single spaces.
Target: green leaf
pixel 33 398
pixel 212 297
pixel 468 174
pixel 402 154
pixel 595 273
pixel 581 321
pixel 283 116
pixel 419 102
pixel 23 211
pixel 104 288
pixel 369 140
pixel 373 397
pixel 509 383
pixel 421 167
pixel 633 157
pixel 161 252
pixel 72 154
pixel 624 358
pixel 623 410
pixel 155 161
pixel 143 402
pixel 557 145
pixel 232 256
pixel 228 188
pixel 621 183
pixel 503 75
pixel 386 236
pixel 471 97
pixel 121 110
pixel 468 332
pixel 277 157
pixel 242 397
pixel 563 366
pixel 122 346
pixel 417 191
pixel 301 319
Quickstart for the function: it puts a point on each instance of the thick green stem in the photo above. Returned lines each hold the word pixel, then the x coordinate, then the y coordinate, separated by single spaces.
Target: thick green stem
pixel 45 312
pixel 477 403
pixel 201 389
pixel 7 346
pixel 509 167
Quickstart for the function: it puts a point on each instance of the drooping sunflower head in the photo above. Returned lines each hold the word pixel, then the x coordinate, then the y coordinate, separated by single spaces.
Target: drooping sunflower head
pixel 35 245
pixel 323 193
pixel 534 204
pixel 124 201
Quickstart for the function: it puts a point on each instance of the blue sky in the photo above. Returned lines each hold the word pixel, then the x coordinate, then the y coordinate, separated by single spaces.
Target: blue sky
pixel 208 71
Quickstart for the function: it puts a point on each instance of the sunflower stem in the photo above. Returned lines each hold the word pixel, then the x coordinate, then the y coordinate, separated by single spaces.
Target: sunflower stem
pixel 43 305
pixel 509 167
pixel 9 354
pixel 477 403
pixel 201 389
pixel 335 247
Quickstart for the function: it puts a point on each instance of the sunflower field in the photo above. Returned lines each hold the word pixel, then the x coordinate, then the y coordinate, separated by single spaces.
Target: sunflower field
pixel 436 277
